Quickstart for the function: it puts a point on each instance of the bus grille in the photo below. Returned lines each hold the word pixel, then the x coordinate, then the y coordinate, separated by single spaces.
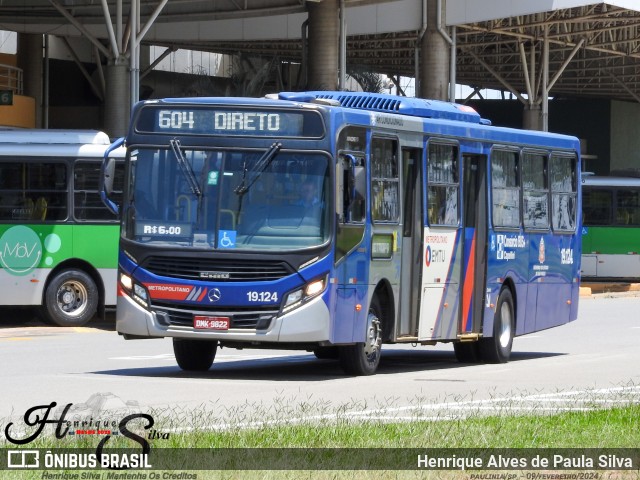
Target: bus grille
pixel 252 318
pixel 219 270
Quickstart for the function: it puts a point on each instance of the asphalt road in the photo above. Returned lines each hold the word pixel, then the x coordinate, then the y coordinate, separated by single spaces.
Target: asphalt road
pixel 592 361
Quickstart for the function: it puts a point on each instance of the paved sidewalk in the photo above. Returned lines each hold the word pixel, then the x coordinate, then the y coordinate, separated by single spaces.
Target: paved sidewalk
pixel 592 288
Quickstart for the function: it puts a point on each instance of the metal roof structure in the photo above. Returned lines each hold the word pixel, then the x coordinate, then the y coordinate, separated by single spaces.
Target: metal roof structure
pixel 593 49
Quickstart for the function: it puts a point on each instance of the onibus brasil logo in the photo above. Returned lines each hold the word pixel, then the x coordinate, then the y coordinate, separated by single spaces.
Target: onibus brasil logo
pixel 21 249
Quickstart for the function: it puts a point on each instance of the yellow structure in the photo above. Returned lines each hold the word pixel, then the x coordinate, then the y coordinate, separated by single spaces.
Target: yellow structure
pixel 23 111
pixel 21 114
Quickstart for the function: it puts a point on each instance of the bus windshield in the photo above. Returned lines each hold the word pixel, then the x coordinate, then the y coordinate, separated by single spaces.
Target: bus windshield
pixel 228 199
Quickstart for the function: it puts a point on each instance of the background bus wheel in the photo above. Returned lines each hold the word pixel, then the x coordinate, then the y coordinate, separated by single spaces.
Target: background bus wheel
pixel 467 352
pixel 194 355
pixel 497 349
pixel 71 299
pixel 327 353
pixel 364 358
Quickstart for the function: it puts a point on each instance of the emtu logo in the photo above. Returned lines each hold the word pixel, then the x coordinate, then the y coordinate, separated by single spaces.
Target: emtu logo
pixel 20 250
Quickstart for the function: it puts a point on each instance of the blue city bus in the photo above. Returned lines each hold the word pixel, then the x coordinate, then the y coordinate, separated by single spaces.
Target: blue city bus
pixel 334 222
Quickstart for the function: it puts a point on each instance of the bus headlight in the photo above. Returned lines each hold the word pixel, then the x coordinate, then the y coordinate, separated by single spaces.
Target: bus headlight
pixel 136 291
pixel 140 292
pixel 126 282
pixel 299 297
pixel 293 299
pixel 314 288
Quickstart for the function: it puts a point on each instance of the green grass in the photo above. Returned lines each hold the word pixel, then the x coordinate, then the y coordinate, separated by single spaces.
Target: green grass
pixel 611 428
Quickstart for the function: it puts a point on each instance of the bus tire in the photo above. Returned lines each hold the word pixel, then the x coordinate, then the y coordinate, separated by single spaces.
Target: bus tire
pixel 497 349
pixel 70 299
pixel 364 358
pixel 194 355
pixel 327 353
pixel 467 352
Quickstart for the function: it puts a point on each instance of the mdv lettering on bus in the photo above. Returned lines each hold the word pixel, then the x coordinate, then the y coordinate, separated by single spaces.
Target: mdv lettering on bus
pixel 20 250
pixel 247 121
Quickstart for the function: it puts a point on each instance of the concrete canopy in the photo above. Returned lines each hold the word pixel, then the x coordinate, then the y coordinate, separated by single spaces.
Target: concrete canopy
pixel 593 49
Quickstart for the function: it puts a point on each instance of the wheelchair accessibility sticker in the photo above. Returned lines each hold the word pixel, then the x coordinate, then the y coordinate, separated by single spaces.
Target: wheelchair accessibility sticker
pixel 226 239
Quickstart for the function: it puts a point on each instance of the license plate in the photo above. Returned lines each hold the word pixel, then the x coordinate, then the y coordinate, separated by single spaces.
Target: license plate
pixel 202 322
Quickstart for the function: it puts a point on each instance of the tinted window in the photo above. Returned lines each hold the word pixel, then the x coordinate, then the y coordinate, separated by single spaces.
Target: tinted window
pixel 564 195
pixel 384 181
pixel 33 192
pixel 443 185
pixel 505 191
pixel 535 192
pixel 86 184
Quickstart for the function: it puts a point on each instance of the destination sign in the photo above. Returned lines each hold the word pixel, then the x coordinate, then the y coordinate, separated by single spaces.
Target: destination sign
pixel 229 122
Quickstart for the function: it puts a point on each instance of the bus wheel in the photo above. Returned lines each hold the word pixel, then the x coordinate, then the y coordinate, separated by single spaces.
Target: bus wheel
pixel 364 358
pixel 194 355
pixel 497 349
pixel 71 299
pixel 466 352
pixel 327 353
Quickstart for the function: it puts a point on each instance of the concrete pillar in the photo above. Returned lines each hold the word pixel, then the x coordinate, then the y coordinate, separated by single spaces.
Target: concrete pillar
pixel 117 106
pixel 29 59
pixel 323 45
pixel 434 57
pixel 532 117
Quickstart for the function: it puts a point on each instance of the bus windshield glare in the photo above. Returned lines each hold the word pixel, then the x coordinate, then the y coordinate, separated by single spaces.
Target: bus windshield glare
pixel 228 199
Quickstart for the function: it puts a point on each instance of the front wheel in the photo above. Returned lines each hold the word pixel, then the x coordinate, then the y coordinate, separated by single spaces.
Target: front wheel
pixel 497 349
pixel 364 358
pixel 194 355
pixel 70 299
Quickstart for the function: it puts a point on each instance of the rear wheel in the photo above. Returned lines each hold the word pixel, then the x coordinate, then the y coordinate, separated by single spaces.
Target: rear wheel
pixel 70 299
pixel 194 355
pixel 364 358
pixel 497 349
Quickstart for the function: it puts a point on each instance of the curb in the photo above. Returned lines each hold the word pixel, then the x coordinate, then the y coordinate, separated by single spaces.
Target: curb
pixel 588 289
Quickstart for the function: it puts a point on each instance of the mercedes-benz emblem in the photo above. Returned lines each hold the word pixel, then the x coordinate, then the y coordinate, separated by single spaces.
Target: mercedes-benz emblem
pixel 214 295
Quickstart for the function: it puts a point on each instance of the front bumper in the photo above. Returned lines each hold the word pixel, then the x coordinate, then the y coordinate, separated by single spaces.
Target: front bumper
pixel 308 323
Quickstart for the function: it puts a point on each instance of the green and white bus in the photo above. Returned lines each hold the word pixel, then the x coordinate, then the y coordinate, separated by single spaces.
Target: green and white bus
pixel 611 228
pixel 58 243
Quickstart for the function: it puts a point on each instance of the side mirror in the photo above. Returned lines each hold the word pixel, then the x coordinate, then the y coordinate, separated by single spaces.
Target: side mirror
pixel 107 177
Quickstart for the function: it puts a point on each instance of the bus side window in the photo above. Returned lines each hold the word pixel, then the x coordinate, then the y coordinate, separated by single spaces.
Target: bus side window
pixel 350 203
pixel 40 209
pixel 353 190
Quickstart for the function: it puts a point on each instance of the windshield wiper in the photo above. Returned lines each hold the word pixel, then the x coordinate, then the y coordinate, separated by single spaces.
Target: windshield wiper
pixel 260 166
pixel 187 171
